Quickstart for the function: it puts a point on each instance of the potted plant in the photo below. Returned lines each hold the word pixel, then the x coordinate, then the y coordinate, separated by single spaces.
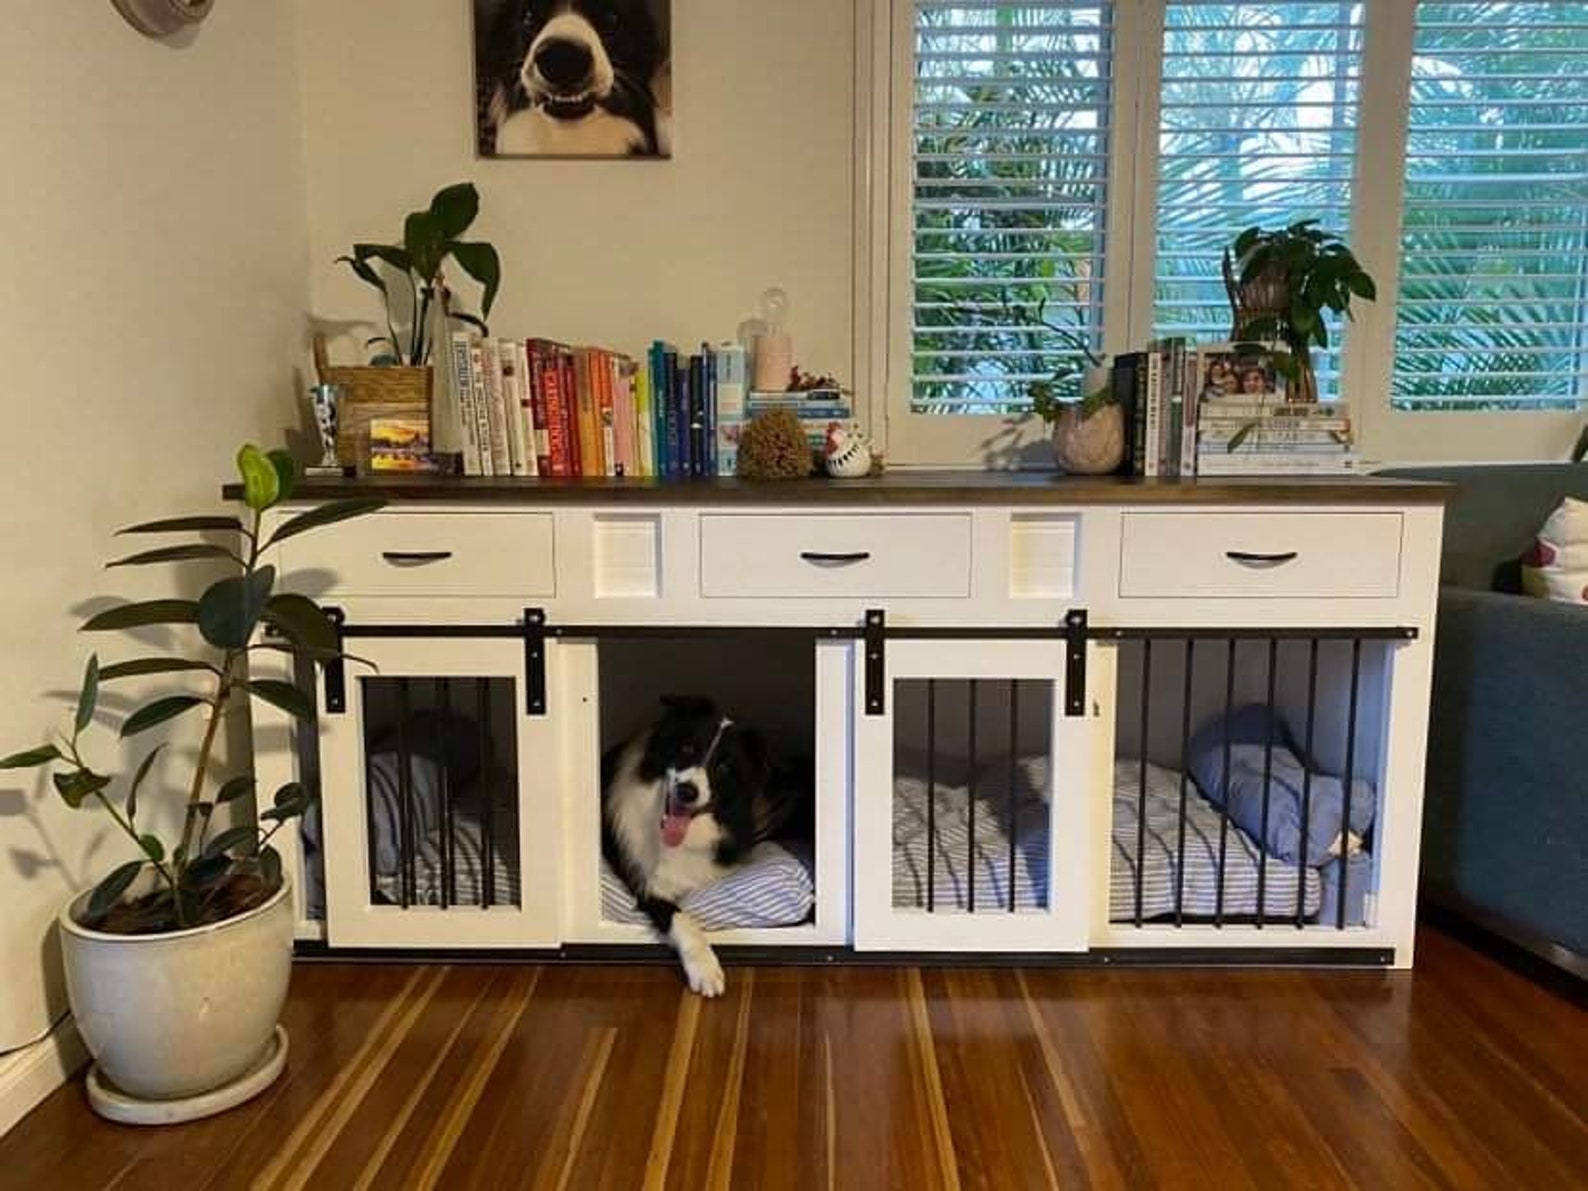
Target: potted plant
pixel 1079 403
pixel 177 961
pixel 400 373
pixel 1279 285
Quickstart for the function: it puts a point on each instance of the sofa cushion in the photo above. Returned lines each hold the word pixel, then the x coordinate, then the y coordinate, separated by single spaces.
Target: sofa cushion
pixel 1494 516
pixel 1556 567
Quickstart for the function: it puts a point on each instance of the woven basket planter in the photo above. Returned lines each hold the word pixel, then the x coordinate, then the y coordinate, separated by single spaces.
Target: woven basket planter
pixel 391 392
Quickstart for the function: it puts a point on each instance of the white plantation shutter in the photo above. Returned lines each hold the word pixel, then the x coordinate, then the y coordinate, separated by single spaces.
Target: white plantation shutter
pixel 1009 140
pixel 1493 305
pixel 1258 112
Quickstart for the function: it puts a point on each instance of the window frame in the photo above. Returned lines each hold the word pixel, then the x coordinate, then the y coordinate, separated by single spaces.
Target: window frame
pixel 883 276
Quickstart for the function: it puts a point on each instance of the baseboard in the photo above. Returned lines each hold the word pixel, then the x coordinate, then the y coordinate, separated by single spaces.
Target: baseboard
pixel 28 1075
pixel 1455 915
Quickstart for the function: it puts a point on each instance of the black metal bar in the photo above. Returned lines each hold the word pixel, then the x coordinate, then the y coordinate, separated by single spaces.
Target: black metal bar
pixel 1306 786
pixel 534 661
pixel 1075 638
pixel 487 799
pixel 449 833
pixel 1141 788
pixel 970 807
pixel 371 825
pixel 647 954
pixel 931 795
pixel 1349 780
pixel 1224 788
pixel 876 661
pixel 1268 779
pixel 1014 774
pixel 897 633
pixel 1185 766
pixel 335 671
pixel 407 881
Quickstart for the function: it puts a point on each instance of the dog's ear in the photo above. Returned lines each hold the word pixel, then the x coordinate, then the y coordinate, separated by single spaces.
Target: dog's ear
pixel 688 705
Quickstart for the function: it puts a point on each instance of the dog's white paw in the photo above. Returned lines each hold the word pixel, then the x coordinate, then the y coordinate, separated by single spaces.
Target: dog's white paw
pixel 704 972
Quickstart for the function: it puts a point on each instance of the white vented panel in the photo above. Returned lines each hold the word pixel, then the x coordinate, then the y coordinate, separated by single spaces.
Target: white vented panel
pixel 1041 557
pixel 628 558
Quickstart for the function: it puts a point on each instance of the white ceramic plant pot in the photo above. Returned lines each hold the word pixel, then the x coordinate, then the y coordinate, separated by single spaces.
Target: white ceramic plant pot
pixel 187 1019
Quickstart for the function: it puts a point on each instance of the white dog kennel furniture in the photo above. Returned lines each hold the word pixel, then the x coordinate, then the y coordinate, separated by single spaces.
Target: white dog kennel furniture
pixel 1080 721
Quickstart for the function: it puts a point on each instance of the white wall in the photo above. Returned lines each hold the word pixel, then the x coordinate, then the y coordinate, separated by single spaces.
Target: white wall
pixel 759 191
pixel 153 296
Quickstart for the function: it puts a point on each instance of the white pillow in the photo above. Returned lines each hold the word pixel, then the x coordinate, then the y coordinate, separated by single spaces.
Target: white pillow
pixel 1556 568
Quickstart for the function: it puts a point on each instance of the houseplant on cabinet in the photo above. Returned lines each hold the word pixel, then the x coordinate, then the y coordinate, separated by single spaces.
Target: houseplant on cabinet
pixel 401 369
pixel 177 961
pixel 1281 282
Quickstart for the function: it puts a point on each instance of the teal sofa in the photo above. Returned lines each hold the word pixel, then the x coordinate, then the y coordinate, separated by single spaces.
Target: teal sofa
pixel 1505 825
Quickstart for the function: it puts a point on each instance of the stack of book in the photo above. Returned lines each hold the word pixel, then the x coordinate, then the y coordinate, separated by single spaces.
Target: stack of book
pixel 1219 409
pixel 816 409
pixel 540 408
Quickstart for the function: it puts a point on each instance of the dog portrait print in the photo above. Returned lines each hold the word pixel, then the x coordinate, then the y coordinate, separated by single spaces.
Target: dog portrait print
pixel 573 78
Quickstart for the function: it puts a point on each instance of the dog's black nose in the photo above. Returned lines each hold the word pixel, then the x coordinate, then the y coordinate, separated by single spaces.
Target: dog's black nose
pixel 563 63
pixel 687 793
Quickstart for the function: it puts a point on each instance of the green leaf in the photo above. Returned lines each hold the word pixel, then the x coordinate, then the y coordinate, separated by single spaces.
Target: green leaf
pixel 75 787
pixel 284 695
pixel 261 484
pixel 186 525
pixel 152 714
pixel 292 800
pixel 1362 286
pixel 88 697
pixel 109 891
pixel 230 609
pixel 237 787
pixel 363 271
pixel 31 758
pixel 481 262
pixel 425 245
pixel 391 254
pixel 454 209
pixel 236 837
pixel 270 867
pixel 138 667
pixel 207 870
pixel 326 514
pixel 142 614
pixel 303 622
pixel 137 780
pixel 286 472
pixel 1240 436
pixel 171 554
pixel 152 847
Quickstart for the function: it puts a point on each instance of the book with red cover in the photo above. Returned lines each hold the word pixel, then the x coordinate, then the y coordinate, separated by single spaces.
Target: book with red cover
pixel 570 408
pixel 548 373
pixel 534 382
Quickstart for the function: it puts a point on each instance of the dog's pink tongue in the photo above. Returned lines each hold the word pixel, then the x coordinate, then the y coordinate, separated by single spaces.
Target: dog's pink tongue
pixel 674 828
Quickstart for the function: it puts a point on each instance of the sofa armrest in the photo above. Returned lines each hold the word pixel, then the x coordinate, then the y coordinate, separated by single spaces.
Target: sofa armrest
pixel 1506 817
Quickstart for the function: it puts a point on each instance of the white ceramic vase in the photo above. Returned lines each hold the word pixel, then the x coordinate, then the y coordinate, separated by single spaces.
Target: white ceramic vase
pixel 187 1019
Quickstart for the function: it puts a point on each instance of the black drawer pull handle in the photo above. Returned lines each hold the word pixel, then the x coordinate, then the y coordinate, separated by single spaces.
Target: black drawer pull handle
pixel 415 558
pixel 1249 559
pixel 824 558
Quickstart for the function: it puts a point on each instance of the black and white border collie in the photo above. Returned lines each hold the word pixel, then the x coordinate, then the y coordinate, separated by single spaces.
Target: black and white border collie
pixel 681 804
pixel 578 78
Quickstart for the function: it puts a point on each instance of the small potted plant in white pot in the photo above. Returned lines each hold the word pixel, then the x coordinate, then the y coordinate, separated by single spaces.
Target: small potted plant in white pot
pixel 1087 418
pixel 177 961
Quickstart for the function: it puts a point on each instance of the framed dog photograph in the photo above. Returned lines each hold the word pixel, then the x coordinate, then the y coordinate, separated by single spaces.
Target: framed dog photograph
pixel 573 78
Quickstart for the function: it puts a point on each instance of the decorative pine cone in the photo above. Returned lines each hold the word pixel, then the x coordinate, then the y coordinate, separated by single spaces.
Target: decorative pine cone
pixel 773 446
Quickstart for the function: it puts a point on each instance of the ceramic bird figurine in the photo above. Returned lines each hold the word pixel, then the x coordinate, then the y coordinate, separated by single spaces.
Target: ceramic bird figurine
pixel 847 452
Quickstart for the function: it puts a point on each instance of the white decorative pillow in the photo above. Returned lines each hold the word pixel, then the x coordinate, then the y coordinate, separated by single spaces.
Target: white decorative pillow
pixel 1556 568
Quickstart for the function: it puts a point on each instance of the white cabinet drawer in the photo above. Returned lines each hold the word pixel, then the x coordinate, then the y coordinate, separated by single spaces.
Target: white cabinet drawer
pixel 431 554
pixel 1260 555
pixel 791 555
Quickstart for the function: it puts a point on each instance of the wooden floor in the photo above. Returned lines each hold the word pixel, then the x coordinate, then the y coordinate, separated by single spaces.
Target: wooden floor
pixel 1461 1075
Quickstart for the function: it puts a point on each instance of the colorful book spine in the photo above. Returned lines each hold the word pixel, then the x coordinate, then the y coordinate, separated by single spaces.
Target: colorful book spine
pixel 556 419
pixel 732 384
pixel 482 416
pixel 623 417
pixel 708 369
pixel 697 417
pixel 678 414
pixel 601 375
pixel 644 422
pixel 535 370
pixel 1154 411
pixel 588 414
pixel 512 401
pixel 496 409
pixel 1189 413
pixel 463 384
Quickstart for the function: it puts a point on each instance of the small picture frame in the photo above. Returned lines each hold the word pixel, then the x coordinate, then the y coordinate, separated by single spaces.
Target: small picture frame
pixel 1238 374
pixel 399 445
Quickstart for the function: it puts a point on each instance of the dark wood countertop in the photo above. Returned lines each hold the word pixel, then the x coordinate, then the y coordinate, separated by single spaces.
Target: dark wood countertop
pixel 894 488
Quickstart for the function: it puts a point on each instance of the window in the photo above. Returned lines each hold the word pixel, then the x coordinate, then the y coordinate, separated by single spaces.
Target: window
pixel 1009 143
pixel 1493 309
pixel 1257 124
pixel 1064 175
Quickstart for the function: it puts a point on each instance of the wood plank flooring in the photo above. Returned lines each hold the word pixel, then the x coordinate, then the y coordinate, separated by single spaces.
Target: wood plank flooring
pixel 1460 1075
